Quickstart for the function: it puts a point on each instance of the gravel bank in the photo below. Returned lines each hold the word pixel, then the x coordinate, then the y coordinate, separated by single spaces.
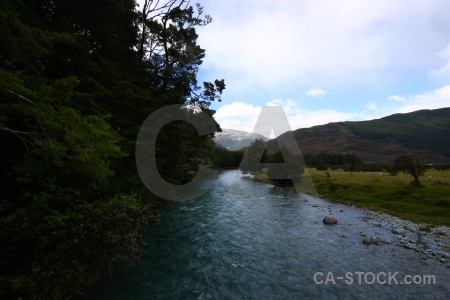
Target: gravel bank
pixel 432 242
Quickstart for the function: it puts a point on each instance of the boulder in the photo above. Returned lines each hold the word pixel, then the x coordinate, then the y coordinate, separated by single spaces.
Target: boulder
pixel 329 220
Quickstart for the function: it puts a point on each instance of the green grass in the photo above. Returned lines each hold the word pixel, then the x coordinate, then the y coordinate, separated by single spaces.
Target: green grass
pixel 428 203
pixel 262 177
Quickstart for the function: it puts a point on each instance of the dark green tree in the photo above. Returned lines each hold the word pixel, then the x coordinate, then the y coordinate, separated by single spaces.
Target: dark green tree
pixel 74 91
pixel 169 58
pixel 291 170
pixel 253 157
pixel 169 52
pixel 225 159
pixel 63 222
pixel 412 165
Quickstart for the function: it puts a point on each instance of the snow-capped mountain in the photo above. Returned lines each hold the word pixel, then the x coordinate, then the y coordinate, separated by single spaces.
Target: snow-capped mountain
pixel 235 139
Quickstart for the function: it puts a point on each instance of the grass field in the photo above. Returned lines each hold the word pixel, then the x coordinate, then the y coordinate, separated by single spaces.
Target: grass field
pixel 428 203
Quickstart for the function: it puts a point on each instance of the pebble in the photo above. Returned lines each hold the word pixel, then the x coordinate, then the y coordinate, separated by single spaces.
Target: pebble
pixel 409 235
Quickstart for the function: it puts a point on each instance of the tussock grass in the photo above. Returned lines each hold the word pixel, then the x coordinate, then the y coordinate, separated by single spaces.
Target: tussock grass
pixel 427 203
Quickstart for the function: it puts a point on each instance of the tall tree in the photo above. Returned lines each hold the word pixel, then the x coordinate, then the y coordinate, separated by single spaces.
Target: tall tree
pixel 169 52
pixel 74 91
pixel 412 165
pixel 290 174
pixel 254 155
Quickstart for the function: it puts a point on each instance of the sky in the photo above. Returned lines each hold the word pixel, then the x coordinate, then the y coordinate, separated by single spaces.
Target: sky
pixel 324 60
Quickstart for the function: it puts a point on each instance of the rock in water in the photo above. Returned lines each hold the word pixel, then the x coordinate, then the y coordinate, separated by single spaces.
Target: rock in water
pixel 329 220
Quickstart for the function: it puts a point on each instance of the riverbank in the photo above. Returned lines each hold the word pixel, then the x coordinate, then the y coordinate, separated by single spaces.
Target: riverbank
pixel 244 239
pixel 431 242
pixel 394 195
pixel 417 217
pixel 428 204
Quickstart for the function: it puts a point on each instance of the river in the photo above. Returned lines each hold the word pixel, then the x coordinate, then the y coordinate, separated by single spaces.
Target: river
pixel 247 240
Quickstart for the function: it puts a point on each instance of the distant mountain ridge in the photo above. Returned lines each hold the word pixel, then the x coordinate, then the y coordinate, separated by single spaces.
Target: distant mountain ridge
pixel 235 139
pixel 425 133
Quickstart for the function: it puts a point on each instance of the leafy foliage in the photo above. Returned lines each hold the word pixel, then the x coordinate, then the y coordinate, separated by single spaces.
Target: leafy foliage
pixel 169 52
pixel 288 173
pixel 254 154
pixel 224 159
pixel 323 161
pixel 411 165
pixel 75 86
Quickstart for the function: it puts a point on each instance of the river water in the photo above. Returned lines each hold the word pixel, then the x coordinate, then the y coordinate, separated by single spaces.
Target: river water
pixel 248 240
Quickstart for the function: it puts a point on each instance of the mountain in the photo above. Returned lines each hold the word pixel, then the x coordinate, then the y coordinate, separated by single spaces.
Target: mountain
pixel 425 133
pixel 220 146
pixel 235 140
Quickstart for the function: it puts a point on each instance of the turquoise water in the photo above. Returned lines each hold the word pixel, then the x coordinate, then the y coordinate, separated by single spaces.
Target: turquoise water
pixel 248 240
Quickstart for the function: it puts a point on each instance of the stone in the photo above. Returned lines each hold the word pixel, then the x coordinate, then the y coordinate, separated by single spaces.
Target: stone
pixel 396 231
pixel 409 246
pixel 329 220
pixel 373 241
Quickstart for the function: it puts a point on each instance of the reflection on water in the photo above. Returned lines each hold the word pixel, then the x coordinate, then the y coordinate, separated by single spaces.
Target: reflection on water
pixel 245 239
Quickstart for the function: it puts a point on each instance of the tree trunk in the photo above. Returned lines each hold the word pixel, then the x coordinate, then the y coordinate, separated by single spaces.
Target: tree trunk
pixel 416 179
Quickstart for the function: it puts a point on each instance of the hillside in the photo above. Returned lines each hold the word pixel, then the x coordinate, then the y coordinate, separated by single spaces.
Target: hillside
pixel 424 133
pixel 235 139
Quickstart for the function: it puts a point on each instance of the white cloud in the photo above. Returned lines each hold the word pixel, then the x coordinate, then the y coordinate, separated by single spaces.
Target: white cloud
pixel 371 105
pixel 306 119
pixel 444 71
pixel 238 115
pixel 276 102
pixel 316 92
pixel 265 43
pixel 438 98
pixel 241 116
pixel 397 98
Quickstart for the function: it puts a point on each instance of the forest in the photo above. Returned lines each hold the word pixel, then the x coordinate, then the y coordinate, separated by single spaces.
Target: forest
pixel 423 129
pixel 77 80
